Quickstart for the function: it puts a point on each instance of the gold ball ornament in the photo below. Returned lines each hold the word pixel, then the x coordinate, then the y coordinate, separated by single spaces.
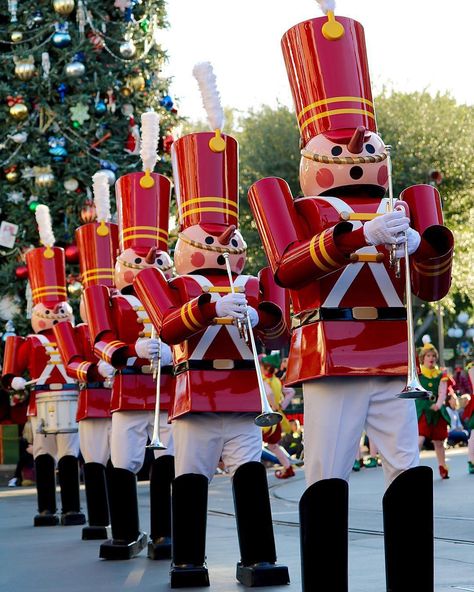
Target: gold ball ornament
pixel 12 176
pixel 25 70
pixel 138 82
pixel 63 7
pixel 19 111
pixel 16 36
pixel 45 179
pixel 125 91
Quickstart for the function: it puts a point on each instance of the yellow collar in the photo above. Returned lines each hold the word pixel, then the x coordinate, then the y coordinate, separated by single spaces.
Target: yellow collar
pixel 430 373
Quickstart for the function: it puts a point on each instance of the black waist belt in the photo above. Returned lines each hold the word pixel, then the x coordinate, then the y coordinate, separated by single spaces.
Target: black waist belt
pixel 91 385
pixel 213 365
pixel 358 313
pixel 55 386
pixel 135 371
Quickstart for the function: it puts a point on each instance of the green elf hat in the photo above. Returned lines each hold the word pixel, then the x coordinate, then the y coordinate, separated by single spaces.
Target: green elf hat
pixel 272 359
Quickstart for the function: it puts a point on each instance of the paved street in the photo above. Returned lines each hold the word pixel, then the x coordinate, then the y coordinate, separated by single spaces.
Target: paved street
pixel 56 560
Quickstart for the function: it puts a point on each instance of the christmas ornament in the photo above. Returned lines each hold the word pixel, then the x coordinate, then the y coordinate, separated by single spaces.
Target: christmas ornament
pixel 19 137
pixel 16 36
pixel 127 109
pixel 10 330
pixel 88 213
pixel 100 140
pixel 144 25
pixel 79 113
pixel 45 64
pixel 62 90
pixel 125 91
pixel 44 176
pixel 61 37
pixel 12 174
pixel 25 68
pixel 127 49
pixel 57 147
pixel 71 184
pixel 71 253
pixel 63 7
pixel 33 205
pixel 74 289
pixel 15 197
pixel 167 143
pixel 46 118
pixel 132 143
pixel 137 82
pixel 8 232
pixel 100 108
pixel 76 124
pixel 19 111
pixel 35 19
pixel 75 69
pixel 21 272
pixel 167 102
pixel 96 40
pixel 12 9
pixel 111 106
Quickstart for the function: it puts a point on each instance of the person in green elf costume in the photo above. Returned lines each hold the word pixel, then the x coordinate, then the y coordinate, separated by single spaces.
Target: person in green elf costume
pixel 468 420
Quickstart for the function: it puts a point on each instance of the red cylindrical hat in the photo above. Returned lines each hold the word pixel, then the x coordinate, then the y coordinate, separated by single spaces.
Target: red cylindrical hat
pixel 206 181
pixel 143 212
pixel 47 275
pixel 329 79
pixel 98 247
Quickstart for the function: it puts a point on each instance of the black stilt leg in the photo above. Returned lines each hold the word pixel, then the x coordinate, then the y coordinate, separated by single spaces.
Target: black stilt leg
pixel 408 531
pixel 324 509
pixel 161 477
pixel 189 517
pixel 257 566
pixel 97 502
pixel 68 475
pixel 46 491
pixel 127 540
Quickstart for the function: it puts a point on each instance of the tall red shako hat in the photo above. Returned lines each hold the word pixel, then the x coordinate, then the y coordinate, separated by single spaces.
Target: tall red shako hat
pixel 143 199
pixel 327 68
pixel 98 241
pixel 206 167
pixel 47 264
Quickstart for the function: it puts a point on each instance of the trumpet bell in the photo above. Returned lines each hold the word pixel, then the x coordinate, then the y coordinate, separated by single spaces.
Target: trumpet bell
pixel 414 391
pixel 266 420
pixel 156 445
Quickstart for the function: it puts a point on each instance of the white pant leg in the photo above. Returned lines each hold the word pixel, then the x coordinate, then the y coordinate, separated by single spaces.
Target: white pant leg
pixel 335 411
pixel 198 443
pixel 242 440
pixel 43 443
pixel 94 438
pixel 129 437
pixel 392 426
pixel 68 444
pixel 166 435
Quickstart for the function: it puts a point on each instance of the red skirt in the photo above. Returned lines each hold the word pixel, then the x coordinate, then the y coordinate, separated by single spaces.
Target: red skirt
pixel 433 432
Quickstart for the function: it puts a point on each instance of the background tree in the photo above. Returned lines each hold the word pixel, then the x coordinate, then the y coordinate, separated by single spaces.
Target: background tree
pixel 76 77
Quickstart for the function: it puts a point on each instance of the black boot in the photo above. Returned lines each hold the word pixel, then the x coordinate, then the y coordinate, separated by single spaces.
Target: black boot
pixel 127 540
pixel 257 566
pixel 97 502
pixel 324 509
pixel 68 475
pixel 161 477
pixel 408 531
pixel 189 516
pixel 45 491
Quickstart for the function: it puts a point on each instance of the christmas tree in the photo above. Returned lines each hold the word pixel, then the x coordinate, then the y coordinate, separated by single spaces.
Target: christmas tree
pixel 76 77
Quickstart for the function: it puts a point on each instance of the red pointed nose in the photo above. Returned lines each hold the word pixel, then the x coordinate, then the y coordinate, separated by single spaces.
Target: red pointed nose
pixel 150 258
pixel 356 143
pixel 225 237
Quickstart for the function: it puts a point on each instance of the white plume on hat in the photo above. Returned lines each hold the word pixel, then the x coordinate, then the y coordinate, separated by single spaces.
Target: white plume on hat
pixel 101 188
pixel 211 100
pixel 150 133
pixel 426 339
pixel 45 226
pixel 327 5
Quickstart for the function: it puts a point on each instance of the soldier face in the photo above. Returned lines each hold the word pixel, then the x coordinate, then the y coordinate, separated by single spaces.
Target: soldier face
pixel 206 252
pixel 129 263
pixel 43 317
pixel 318 178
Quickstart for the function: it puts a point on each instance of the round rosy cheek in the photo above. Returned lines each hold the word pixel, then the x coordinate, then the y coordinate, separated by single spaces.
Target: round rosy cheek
pixel 324 178
pixel 42 324
pixel 128 276
pixel 382 175
pixel 197 259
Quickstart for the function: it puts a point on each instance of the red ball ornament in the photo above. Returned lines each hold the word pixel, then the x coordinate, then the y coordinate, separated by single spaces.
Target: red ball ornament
pixel 167 142
pixel 88 213
pixel 72 254
pixel 21 272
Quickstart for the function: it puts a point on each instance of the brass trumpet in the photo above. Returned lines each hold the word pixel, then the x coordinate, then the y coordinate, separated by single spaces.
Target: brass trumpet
pixel 156 443
pixel 394 261
pixel 268 417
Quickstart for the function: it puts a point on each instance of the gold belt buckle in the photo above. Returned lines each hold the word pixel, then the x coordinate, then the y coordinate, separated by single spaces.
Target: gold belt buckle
pixel 223 364
pixel 55 386
pixel 146 369
pixel 365 313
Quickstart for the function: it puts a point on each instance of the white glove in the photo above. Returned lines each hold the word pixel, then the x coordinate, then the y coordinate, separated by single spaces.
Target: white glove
pixel 147 348
pixel 232 305
pixel 105 369
pixel 414 240
pixel 253 314
pixel 166 355
pixel 387 228
pixel 18 383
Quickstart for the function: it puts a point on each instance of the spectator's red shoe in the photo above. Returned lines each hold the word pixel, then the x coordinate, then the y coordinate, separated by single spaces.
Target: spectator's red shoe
pixel 443 471
pixel 285 473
